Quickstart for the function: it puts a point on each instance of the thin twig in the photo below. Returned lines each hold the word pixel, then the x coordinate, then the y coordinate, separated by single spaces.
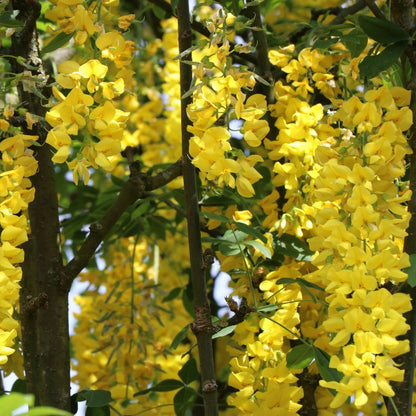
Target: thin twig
pixel 374 8
pixel 348 11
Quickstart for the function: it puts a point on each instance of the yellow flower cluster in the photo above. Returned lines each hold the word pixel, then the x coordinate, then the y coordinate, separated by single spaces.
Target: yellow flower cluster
pixel 358 239
pixel 341 170
pixel 79 17
pixel 127 349
pixel 16 192
pixel 217 100
pixel 302 129
pixel 258 364
pixel 90 111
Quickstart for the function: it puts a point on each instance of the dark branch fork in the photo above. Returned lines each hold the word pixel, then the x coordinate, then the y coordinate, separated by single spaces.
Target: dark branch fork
pixel 138 186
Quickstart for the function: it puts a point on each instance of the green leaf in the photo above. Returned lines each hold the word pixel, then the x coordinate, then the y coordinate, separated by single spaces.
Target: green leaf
pixel 271 5
pixel 411 271
pixel 216 217
pixel 300 356
pixel 8 19
pixel 143 208
pixel 292 246
pixel 20 386
pixel 187 299
pixel 222 200
pixel 180 336
pixel 173 294
pixel 184 400
pixel 355 41
pixel 169 384
pixel 159 13
pixel 371 66
pixel 322 362
pixel 45 411
pixel 98 411
pixel 234 6
pixel 95 398
pixel 268 308
pixel 11 402
pixel 325 44
pixel 303 282
pixel 189 372
pixel 224 331
pixel 260 247
pixel 233 236
pixel 286 281
pixel 57 42
pixel 229 249
pixel 250 231
pixel 381 30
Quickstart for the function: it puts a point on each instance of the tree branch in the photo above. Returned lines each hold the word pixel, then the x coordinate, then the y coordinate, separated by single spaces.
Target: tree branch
pixel 347 11
pixel 341 16
pixel 202 326
pixel 253 12
pixel 374 8
pixel 138 186
pixel 402 15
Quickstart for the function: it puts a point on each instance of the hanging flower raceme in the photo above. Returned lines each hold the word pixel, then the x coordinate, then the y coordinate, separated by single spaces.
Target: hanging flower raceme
pixel 86 112
pixel 125 301
pixel 16 192
pixel 210 147
pixel 358 242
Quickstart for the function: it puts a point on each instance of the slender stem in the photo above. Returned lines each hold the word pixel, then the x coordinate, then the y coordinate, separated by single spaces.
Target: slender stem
pixel 202 327
pixel 371 4
pixel 264 66
pixel 402 15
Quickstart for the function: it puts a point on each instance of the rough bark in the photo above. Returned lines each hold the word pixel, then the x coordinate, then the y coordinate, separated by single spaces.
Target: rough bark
pixel 43 299
pixel 202 327
pixel 402 15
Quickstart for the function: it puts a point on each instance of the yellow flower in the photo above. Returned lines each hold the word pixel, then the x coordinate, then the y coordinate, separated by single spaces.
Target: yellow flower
pixel 68 76
pixel 94 71
pixel 30 120
pixel 255 131
pixel 79 169
pixel 124 22
pixel 243 216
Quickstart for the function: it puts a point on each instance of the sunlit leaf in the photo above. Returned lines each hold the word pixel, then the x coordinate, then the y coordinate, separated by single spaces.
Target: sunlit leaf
pixel 300 356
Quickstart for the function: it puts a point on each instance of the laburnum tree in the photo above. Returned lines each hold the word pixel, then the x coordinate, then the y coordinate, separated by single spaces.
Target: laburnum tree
pixel 143 141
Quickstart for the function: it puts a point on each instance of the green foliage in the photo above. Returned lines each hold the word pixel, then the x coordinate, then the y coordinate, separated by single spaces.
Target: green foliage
pixel 383 31
pixel 224 331
pixel 11 405
pixel 300 356
pixel 292 246
pixel 189 372
pixel 411 271
pixel 185 397
pixel 58 41
pixel 373 65
pixel 322 362
pixel 355 41
pixel 8 19
pixel 97 401
pixel 183 400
